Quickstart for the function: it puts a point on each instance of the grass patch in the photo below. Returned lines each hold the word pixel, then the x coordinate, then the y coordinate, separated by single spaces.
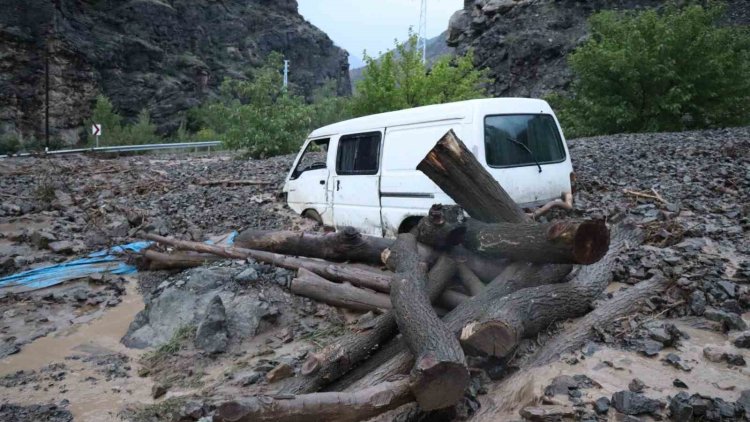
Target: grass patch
pixel 183 336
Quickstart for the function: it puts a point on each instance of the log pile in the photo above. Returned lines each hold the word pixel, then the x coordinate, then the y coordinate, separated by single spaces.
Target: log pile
pixel 454 286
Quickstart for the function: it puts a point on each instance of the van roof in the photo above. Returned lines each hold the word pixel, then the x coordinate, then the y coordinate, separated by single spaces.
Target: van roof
pixel 437 112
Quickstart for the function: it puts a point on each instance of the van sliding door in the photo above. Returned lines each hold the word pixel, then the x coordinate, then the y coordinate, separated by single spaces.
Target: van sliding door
pixel 356 185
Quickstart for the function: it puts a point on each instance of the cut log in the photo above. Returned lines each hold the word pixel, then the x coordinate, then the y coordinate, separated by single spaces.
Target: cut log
pixel 343 295
pixel 470 280
pixel 345 245
pixel 338 358
pixel 451 299
pixel 440 375
pixel 362 276
pixel 527 312
pixel 460 175
pixel 334 407
pixel 151 260
pixel 567 242
pixel 517 276
pixel 443 227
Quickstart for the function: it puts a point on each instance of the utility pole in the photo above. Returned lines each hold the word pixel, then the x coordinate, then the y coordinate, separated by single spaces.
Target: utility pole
pixel 423 31
pixel 286 73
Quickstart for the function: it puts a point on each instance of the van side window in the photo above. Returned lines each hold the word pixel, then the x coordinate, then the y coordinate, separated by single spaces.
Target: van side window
pixel 358 154
pixel 522 140
pixel 313 158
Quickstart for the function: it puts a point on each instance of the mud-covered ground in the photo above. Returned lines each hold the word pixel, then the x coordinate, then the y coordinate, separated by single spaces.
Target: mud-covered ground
pixel 142 348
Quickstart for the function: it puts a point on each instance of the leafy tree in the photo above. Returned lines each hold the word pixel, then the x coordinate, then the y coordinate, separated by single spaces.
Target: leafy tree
pixel 259 115
pixel 328 107
pixel 399 79
pixel 105 115
pixel 143 131
pixel 668 70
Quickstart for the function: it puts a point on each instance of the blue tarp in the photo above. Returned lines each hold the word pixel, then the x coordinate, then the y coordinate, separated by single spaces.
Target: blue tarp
pixel 106 261
pixel 97 262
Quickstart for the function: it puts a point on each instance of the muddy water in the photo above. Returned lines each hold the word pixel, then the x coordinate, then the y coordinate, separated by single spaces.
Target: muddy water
pixel 99 401
pixel 614 369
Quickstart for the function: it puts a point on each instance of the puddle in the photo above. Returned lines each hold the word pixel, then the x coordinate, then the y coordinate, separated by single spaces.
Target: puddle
pixel 98 400
pixel 711 379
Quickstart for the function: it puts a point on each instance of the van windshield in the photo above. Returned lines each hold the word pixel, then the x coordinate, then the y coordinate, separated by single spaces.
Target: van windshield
pixel 522 140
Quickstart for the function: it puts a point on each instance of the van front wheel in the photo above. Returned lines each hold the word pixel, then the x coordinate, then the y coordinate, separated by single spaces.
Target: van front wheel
pixel 313 215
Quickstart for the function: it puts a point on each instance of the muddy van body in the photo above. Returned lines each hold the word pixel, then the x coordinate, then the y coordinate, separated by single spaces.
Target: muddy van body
pixel 362 172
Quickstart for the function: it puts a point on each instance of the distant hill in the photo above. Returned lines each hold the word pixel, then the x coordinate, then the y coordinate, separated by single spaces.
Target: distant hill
pixel 436 47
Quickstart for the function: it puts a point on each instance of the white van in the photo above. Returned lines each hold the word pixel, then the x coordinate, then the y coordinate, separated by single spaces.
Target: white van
pixel 362 172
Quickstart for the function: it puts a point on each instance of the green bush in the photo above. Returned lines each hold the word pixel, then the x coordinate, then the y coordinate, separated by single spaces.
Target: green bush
pixel 111 122
pixel 669 70
pixel 259 115
pixel 399 80
pixel 9 144
pixel 142 131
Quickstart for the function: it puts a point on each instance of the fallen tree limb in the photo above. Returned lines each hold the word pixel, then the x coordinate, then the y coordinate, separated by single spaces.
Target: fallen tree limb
pixel 333 407
pixel 470 280
pixel 458 173
pixel 340 357
pixel 567 242
pixel 443 228
pixel 345 245
pixel 440 376
pixel 343 295
pixel 516 277
pixel 527 312
pixel 566 203
pixel 151 260
pixel 362 276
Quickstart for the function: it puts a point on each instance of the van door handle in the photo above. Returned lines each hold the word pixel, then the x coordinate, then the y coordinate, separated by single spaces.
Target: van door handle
pixel 322 182
pixel 338 185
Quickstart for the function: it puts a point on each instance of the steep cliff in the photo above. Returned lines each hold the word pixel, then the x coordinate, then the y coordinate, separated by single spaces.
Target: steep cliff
pixel 163 55
pixel 525 43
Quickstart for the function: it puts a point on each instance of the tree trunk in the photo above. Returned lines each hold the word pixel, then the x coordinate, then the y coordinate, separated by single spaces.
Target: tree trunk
pixel 443 228
pixel 460 175
pixel 151 260
pixel 338 358
pixel 565 242
pixel 440 375
pixel 343 295
pixel 345 245
pixel 470 280
pixel 527 312
pixel 452 299
pixel 333 407
pixel 514 278
pixel 358 275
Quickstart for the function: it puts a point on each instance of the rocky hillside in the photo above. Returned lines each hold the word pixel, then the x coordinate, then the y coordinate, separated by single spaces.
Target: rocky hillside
pixel 164 55
pixel 525 43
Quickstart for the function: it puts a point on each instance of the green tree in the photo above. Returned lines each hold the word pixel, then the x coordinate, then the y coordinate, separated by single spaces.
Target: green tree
pixel 328 107
pixel 399 79
pixel 667 70
pixel 111 122
pixel 143 131
pixel 258 115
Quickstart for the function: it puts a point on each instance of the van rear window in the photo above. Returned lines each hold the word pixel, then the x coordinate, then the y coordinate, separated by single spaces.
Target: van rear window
pixel 522 140
pixel 358 154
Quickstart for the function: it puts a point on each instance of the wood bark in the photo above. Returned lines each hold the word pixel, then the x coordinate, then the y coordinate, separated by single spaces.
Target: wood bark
pixel 460 175
pixel 333 407
pixel 451 299
pixel 151 260
pixel 443 227
pixel 470 280
pixel 345 245
pixel 440 376
pixel 358 275
pixel 343 295
pixel 340 357
pixel 516 277
pixel 527 312
pixel 566 242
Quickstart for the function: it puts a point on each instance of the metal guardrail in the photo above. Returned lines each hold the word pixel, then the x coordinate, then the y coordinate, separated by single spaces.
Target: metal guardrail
pixel 124 148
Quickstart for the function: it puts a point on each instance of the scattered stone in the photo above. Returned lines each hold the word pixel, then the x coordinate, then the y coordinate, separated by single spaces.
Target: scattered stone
pixel 735 359
pixel 698 302
pixel 631 403
pixel 61 247
pixel 649 348
pixel 680 407
pixel 212 335
pixel 636 385
pixel 730 321
pixel 679 383
pixel 743 340
pixel 676 361
pixel 248 275
pixel 546 413
pixel 280 372
pixel 158 390
pixel 714 354
pixel 601 405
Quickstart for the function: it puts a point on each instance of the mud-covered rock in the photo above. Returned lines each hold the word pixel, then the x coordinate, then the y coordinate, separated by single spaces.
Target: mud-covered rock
pixel 631 403
pixel 212 335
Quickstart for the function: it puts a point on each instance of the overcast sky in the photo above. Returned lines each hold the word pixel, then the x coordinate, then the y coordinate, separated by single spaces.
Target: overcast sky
pixel 372 25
